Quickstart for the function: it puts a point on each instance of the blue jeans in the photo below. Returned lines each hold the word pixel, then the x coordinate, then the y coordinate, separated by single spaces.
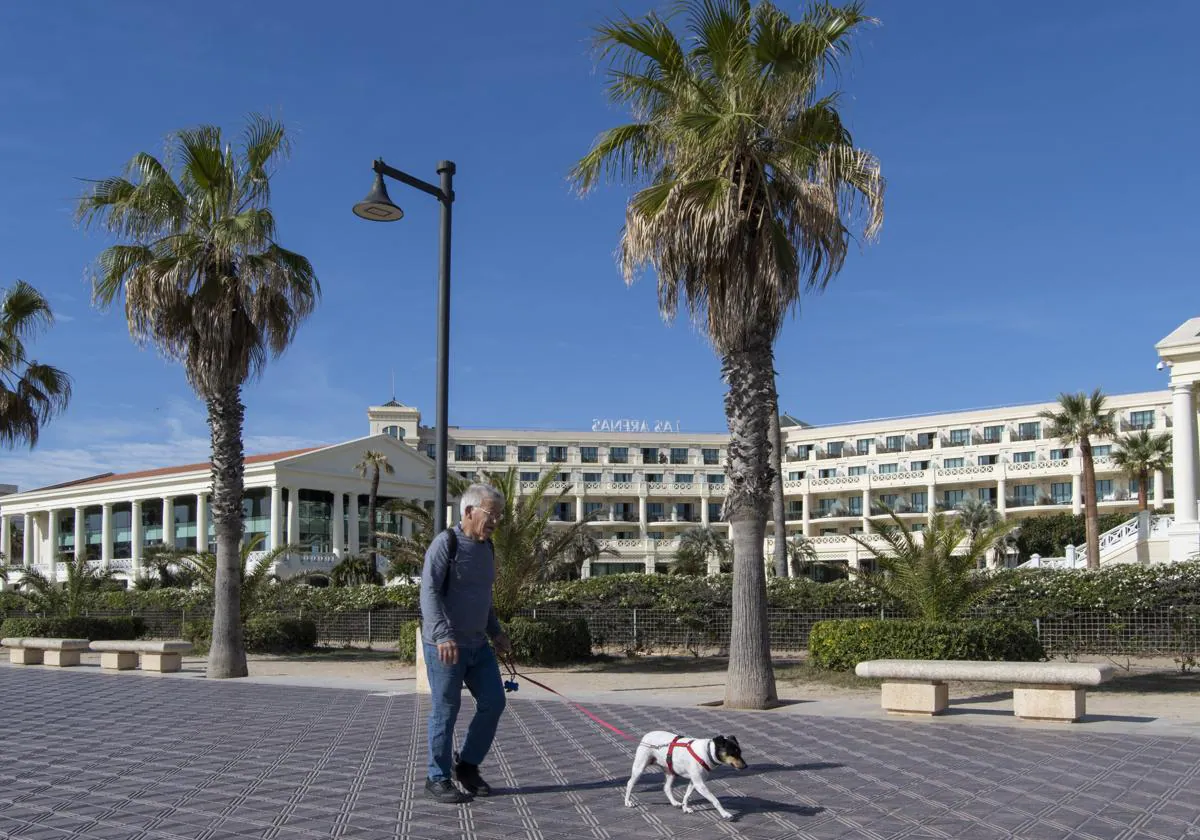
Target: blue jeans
pixel 478 669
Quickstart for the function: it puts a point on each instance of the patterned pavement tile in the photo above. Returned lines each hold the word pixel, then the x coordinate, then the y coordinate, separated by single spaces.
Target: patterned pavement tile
pixel 90 756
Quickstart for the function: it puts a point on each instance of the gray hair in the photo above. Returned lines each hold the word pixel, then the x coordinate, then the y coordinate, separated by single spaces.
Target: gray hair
pixel 475 495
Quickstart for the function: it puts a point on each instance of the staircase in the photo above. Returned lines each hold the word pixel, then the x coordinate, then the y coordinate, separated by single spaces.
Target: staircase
pixel 1142 539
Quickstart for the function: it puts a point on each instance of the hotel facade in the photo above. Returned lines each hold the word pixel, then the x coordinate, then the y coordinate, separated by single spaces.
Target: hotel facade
pixel 641 484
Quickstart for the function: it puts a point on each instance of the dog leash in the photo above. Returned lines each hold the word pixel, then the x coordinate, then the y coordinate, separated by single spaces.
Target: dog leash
pixel 511 685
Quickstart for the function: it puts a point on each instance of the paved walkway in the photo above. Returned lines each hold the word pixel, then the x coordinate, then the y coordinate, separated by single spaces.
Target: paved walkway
pixel 132 755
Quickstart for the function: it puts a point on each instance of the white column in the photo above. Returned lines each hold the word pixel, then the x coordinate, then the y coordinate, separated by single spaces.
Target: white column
pixel 276 539
pixel 293 515
pixel 1160 489
pixel 27 541
pixel 1185 531
pixel 337 514
pixel 201 522
pixel 866 511
pixel 806 512
pixel 352 524
pixel 137 537
pixel 930 496
pixel 579 508
pixel 52 530
pixel 80 533
pixel 1002 496
pixel 106 548
pixel 1077 485
pixel 5 539
pixel 642 520
pixel 168 528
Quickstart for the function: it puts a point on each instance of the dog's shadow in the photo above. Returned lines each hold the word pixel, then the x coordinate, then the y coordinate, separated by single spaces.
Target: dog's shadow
pixel 745 805
pixel 650 780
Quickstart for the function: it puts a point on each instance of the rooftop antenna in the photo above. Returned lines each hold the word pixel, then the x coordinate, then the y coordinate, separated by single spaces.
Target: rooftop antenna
pixel 393 384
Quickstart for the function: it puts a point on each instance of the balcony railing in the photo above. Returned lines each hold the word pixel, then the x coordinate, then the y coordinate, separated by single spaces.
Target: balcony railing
pixel 980 439
pixel 828 455
pixel 949 441
pixel 918 446
pixel 1021 501
pixel 882 448
pixel 556 458
pixel 1016 435
pixel 1130 426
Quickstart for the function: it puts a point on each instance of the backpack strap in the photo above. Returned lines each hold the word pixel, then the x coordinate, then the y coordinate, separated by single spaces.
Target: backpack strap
pixel 452 539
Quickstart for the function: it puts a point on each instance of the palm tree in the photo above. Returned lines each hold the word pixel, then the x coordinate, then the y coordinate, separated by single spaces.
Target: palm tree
pixel 372 463
pixel 253 580
pixel 977 516
pixel 406 554
pixel 205 281
pixel 583 546
pixel 696 546
pixel 1080 418
pixel 31 393
pixel 354 570
pixel 1140 454
pixel 749 185
pixel 778 516
pixel 80 591
pixel 925 575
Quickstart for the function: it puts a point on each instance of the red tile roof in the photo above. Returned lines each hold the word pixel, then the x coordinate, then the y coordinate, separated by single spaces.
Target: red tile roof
pixel 105 478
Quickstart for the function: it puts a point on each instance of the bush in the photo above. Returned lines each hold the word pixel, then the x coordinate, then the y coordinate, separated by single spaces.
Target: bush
pixel 406 644
pixel 199 633
pixel 261 634
pixel 841 644
pixel 549 641
pixel 81 627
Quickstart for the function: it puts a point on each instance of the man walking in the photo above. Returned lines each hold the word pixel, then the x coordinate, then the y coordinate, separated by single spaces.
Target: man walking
pixel 457 619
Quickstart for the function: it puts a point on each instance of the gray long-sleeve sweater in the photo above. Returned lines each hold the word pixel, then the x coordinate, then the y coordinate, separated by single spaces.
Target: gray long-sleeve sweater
pixel 461 608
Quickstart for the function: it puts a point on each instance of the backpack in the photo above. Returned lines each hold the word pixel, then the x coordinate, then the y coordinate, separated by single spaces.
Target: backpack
pixel 453 539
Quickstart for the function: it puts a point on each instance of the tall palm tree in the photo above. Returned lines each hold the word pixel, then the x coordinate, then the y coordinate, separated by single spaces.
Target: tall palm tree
pixel 31 393
pixel 926 575
pixel 205 282
pixel 1140 454
pixel 1080 418
pixel 778 516
pixel 372 464
pixel 749 186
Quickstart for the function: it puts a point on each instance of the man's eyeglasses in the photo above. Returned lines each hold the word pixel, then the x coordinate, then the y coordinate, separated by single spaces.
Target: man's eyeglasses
pixel 494 517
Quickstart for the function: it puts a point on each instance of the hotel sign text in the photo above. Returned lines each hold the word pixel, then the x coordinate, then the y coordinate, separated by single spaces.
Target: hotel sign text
pixel 627 424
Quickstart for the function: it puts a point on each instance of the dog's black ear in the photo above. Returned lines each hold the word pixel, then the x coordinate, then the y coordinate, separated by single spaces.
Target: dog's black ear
pixel 732 740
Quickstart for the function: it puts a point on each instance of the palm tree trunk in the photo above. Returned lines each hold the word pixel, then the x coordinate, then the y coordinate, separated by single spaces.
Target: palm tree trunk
pixel 1143 494
pixel 750 681
pixel 777 513
pixel 1091 511
pixel 227 655
pixel 371 502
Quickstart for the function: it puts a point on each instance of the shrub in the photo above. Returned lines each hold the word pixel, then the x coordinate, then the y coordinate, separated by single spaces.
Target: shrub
pixel 549 641
pixel 841 644
pixel 199 633
pixel 81 627
pixel 274 634
pixel 406 644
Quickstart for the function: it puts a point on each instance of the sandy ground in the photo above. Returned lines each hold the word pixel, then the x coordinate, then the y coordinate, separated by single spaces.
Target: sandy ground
pixel 1147 697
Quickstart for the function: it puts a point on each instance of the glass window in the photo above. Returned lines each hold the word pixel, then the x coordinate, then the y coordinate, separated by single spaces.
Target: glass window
pixel 1060 492
pixel 889 500
pixel 623 478
pixel 591 478
pixel 993 434
pixel 683 478
pixel 856 505
pixel 654 512
pixel 590 508
pixel 834 449
pixel 886 469
pixel 797 475
pixel 925 440
pixel 1101 451
pixel 1141 419
pixel 1104 490
pixel 618 455
pixel 953 498
pixel 556 454
pixel 716 478
pixel 465 452
pixel 895 443
pixel 654 478
pixel 1023 457
pixel 679 455
pixel 960 437
pixel 527 454
pixel 1024 494
pixel 530 476
pixel 497 452
pixel 714 512
pixel 986 494
pixel 829 473
pixel 711 456
pixel 952 463
pixel 987 460
pixel 918 527
pixel 1060 454
pixel 431 451
pixel 856 471
pixel 589 454
pixel 1029 431
pixel 863 446
pixel 918 466
pixel 919 501
pixel 649 455
pixel 396 432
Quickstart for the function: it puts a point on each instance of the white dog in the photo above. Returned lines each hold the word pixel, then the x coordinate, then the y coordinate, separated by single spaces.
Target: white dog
pixel 691 758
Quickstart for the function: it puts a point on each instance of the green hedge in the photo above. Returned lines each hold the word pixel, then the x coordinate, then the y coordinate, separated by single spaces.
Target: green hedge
pixel 406 644
pixel 840 645
pixel 261 633
pixel 82 627
pixel 549 641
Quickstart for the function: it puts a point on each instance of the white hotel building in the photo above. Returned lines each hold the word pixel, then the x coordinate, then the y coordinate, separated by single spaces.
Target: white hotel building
pixel 646 487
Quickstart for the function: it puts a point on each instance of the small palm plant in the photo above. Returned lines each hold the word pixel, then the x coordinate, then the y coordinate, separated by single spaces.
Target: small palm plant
pixel 85 580
pixel 254 581
pixel 696 546
pixel 1140 454
pixel 354 570
pixel 931 577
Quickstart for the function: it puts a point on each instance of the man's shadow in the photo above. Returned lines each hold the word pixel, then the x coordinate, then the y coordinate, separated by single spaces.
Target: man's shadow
pixel 645 782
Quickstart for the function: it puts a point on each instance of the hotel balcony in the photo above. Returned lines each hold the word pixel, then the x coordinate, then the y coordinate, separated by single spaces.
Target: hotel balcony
pixel 1016 436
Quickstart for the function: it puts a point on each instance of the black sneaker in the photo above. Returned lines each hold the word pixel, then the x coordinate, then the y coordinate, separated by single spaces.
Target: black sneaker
pixel 443 790
pixel 468 776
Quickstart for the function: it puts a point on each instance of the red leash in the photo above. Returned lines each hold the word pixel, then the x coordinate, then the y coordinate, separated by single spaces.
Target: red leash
pixel 596 719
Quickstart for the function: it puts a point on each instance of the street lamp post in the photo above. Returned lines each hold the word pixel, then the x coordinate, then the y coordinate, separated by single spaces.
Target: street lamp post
pixel 378 207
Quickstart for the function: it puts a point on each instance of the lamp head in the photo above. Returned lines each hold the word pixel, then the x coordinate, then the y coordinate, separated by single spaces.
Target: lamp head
pixel 378 206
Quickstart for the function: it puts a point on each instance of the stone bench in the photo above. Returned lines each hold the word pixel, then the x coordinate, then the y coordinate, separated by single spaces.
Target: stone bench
pixel 28 650
pixel 163 657
pixel 1053 691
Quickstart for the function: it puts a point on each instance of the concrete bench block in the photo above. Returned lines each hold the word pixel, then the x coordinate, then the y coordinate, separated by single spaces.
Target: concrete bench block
pixel 25 656
pixel 1062 704
pixel 163 663
pixel 61 658
pixel 118 661
pixel 915 697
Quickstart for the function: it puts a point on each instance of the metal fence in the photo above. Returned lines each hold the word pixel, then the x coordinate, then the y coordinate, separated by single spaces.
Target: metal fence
pixel 1162 631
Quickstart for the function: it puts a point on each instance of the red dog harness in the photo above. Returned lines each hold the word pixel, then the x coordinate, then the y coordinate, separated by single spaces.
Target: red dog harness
pixel 678 741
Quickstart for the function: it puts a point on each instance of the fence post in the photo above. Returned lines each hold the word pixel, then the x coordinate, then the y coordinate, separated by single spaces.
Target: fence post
pixel 635 630
pixel 1037 627
pixel 368 629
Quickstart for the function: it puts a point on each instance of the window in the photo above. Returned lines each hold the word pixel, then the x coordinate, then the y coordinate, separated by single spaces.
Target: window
pixel 1060 454
pixel 623 478
pixel 987 460
pixel 834 450
pixel 1060 492
pixel 993 434
pixel 650 455
pixel 564 511
pixel 894 443
pixel 863 446
pixel 683 512
pixel 1104 490
pixel 918 466
pixel 556 454
pixel 716 478
pixel 953 498
pixel 986 494
pixel 918 527
pixel 796 476
pixel 654 512
pixel 952 463
pixel 465 452
pixel 829 532
pixel 887 469
pixel 714 511
pixel 1101 451
pixel 1024 457
pixel 589 454
pixel 889 500
pixel 394 431
pixel 618 455
pixel 919 502
pixel 654 478
pixel 591 478
pixel 803 451
pixel 830 473
pixel 856 506
pixel 530 476
pixel 1141 420
pixel 497 452
pixel 683 478
pixel 679 455
pixel 960 437
pixel 527 454
pixel 1024 494
pixel 825 507
pixel 1029 431
pixel 590 508
pixel 564 477
pixel 431 451
pixel 795 509
pixel 856 471
pixel 711 456
pixel 925 440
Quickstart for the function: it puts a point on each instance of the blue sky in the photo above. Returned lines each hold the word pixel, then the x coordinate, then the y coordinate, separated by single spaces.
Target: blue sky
pixel 1039 231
